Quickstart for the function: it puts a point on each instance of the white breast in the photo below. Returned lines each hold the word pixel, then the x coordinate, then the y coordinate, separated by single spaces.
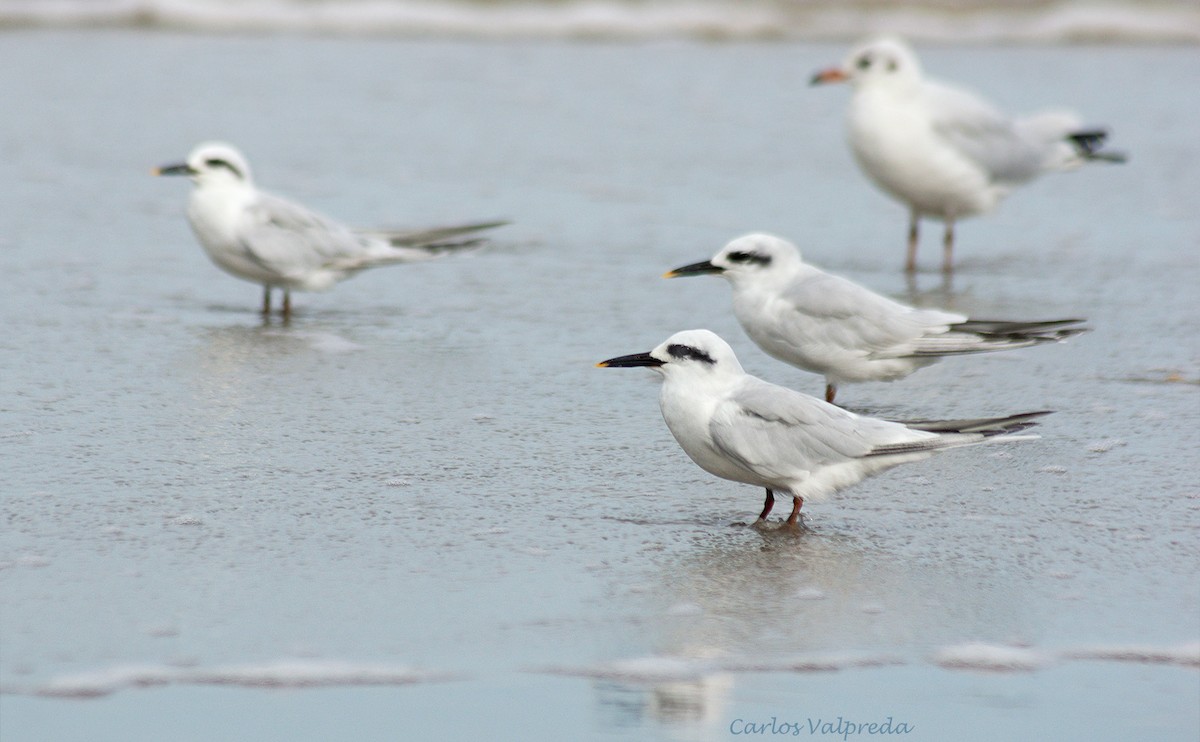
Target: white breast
pixel 895 144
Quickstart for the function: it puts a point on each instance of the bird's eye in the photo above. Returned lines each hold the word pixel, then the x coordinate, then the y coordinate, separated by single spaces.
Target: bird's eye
pixel 892 66
pixel 749 257
pixel 689 353
pixel 864 62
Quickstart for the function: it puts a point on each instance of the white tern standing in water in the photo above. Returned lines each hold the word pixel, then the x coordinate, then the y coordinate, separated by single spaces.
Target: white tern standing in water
pixel 268 240
pixel 943 151
pixel 744 429
pixel 832 326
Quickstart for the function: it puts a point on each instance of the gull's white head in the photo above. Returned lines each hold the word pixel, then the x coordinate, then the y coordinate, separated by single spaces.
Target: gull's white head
pixel 212 163
pixel 887 61
pixel 691 353
pixel 752 257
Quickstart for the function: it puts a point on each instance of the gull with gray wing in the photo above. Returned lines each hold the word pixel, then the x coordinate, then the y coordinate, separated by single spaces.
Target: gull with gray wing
pixel 943 151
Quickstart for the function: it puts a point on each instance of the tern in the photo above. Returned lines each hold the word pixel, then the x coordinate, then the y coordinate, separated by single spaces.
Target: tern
pixel 832 326
pixel 741 428
pixel 274 242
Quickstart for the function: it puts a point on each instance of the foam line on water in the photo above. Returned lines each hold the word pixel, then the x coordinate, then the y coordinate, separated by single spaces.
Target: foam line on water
pixel 277 674
pixel 830 20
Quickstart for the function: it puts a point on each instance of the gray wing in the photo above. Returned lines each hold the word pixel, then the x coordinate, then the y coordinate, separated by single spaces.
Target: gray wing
pixel 782 434
pixel 431 235
pixel 291 240
pixel 983 134
pixel 834 312
pixel 980 336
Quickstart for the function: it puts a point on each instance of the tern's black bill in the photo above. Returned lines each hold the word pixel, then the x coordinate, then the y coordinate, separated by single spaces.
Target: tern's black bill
pixel 695 269
pixel 181 168
pixel 631 361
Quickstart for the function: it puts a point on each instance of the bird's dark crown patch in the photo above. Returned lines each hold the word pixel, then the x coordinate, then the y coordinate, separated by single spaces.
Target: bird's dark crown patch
pixel 687 352
pixel 216 162
pixel 749 257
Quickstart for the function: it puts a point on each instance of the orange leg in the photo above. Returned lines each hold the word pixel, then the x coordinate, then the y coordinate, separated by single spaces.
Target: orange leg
pixel 794 518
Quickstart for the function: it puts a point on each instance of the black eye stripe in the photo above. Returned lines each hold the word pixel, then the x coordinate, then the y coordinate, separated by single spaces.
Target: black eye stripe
pixel 217 162
pixel 749 257
pixel 687 352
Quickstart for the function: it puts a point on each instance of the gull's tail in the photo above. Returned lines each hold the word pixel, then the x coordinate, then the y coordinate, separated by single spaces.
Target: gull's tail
pixel 1089 144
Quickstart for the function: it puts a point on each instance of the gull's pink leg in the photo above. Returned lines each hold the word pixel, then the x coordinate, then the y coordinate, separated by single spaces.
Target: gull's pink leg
pixel 948 248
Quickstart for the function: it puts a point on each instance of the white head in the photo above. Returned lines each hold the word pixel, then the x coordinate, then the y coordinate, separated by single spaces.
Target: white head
pixel 752 257
pixel 212 163
pixel 887 61
pixel 691 353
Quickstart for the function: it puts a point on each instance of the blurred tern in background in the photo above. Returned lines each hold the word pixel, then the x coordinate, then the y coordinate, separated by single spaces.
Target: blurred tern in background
pixel 942 150
pixel 847 333
pixel 744 429
pixel 265 239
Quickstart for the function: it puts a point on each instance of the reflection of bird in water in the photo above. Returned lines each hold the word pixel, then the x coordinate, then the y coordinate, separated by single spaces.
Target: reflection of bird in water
pixel 718 618
pixel 744 429
pixel 265 239
pixel 943 151
pixel 687 702
pixel 741 603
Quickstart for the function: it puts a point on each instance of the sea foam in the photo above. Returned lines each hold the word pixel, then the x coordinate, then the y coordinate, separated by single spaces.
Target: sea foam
pixel 962 21
pixel 650 670
pixel 989 657
pixel 278 674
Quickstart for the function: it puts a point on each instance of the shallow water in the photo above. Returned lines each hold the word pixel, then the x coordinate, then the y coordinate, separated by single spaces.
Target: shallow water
pixel 422 499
